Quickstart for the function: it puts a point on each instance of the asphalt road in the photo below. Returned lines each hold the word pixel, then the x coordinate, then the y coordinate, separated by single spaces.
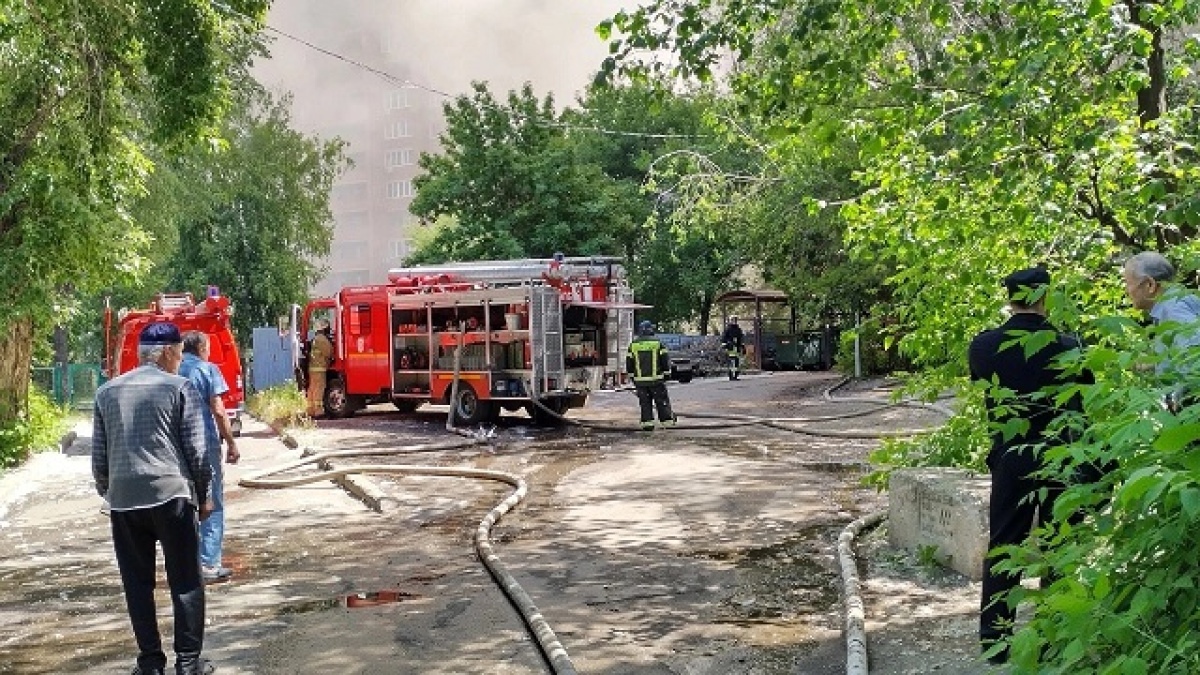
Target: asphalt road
pixel 692 551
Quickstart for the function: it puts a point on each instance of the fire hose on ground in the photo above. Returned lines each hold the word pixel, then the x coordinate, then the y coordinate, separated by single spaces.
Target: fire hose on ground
pixel 551 648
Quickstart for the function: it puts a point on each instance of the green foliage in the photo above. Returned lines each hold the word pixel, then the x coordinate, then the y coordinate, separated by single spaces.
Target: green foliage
pixel 40 426
pixel 1127 574
pixel 990 136
pixel 84 88
pixel 517 179
pixel 927 556
pixel 279 407
pixel 508 177
pixel 962 442
pixel 252 216
pixel 876 354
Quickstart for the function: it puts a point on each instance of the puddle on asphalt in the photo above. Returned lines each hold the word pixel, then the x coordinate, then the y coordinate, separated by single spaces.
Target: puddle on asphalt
pixel 376 598
pixel 787 581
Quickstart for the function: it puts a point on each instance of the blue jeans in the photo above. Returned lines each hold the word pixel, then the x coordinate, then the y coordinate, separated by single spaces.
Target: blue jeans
pixel 212 529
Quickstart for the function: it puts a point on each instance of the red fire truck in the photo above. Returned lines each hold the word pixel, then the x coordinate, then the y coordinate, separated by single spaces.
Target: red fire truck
pixel 211 316
pixel 550 330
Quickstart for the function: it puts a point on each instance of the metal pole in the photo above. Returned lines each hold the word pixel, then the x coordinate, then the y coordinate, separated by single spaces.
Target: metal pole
pixel 857 348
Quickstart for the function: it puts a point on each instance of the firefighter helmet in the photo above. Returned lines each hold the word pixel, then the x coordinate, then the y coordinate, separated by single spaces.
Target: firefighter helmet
pixel 646 328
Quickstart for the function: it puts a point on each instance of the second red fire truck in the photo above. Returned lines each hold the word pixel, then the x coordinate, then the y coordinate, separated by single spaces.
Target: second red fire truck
pixel 547 330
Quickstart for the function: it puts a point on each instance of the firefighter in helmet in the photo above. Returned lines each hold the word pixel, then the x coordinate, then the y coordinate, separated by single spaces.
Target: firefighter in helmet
pixel 320 355
pixel 734 341
pixel 648 364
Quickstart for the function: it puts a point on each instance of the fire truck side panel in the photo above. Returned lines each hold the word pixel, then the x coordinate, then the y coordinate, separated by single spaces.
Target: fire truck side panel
pixel 521 329
pixel 364 339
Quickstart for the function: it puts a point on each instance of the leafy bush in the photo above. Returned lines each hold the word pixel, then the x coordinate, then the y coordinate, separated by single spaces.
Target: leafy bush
pixel 40 427
pixel 280 406
pixel 1122 549
pixel 877 354
pixel 961 442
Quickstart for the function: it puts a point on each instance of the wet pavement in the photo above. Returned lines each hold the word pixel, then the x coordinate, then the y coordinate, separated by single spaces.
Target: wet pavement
pixel 691 551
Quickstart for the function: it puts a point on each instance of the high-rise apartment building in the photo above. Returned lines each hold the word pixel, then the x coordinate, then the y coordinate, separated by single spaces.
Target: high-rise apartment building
pixel 386 121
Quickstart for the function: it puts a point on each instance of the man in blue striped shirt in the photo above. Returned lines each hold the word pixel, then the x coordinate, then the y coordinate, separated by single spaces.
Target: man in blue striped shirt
pixel 208 381
pixel 149 462
pixel 1149 283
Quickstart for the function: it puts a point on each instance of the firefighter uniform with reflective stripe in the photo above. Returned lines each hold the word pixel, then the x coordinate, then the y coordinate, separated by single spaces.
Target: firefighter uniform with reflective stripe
pixel 320 355
pixel 647 363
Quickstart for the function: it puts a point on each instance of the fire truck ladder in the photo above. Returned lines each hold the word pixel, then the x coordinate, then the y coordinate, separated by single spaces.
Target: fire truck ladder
pixel 546 338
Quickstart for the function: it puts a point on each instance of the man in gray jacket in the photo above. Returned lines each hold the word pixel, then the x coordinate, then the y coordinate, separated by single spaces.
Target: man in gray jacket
pixel 149 462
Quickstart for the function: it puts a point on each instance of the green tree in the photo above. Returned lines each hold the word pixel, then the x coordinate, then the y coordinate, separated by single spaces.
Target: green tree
pixel 992 135
pixel 508 177
pixel 258 216
pixel 84 87
pixel 659 146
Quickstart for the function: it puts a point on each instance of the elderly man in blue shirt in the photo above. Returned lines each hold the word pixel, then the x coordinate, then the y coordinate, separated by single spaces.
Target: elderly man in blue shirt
pixel 1149 284
pixel 207 378
pixel 149 462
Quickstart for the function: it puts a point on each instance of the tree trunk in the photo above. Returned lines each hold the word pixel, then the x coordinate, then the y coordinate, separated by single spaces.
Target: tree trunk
pixel 1152 99
pixel 705 311
pixel 16 351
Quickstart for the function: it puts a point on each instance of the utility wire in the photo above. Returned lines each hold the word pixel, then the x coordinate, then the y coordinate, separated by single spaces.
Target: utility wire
pixel 410 83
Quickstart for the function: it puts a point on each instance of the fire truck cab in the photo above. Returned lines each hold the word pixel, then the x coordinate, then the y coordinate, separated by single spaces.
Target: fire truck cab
pixel 545 330
pixel 211 316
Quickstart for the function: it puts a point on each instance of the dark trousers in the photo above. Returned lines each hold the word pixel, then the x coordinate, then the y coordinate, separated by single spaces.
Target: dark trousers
pixel 1013 509
pixel 651 395
pixel 175 526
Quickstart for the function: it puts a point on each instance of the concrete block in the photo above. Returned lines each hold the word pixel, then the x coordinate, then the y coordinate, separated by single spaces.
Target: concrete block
pixel 942 507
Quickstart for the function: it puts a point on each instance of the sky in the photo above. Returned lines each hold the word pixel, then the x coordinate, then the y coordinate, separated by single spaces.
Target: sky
pixel 442 44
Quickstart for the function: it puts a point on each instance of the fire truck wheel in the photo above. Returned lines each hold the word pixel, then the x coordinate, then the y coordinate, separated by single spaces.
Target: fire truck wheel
pixel 406 405
pixel 469 409
pixel 337 403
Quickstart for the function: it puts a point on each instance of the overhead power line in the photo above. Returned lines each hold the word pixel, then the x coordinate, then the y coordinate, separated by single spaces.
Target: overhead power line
pixel 395 79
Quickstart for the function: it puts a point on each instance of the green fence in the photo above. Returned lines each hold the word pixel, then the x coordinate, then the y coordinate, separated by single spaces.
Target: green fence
pixel 72 384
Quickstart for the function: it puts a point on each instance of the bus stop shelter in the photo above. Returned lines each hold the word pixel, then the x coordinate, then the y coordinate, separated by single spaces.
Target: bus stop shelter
pixel 757 298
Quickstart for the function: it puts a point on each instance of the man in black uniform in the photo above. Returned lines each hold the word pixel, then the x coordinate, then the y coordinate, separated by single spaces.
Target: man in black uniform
pixel 648 364
pixel 1028 383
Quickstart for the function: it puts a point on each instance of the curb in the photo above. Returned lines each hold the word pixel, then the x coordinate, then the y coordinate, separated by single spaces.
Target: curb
pixel 854 627
pixel 358 486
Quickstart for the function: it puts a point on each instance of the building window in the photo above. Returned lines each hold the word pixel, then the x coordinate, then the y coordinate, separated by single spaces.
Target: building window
pixel 397 129
pixel 349 251
pixel 354 220
pixel 399 99
pixel 400 248
pixel 403 157
pixel 350 192
pixel 399 189
pixel 350 278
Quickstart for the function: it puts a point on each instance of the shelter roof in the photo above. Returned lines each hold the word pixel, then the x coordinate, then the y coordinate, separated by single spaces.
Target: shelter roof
pixel 752 295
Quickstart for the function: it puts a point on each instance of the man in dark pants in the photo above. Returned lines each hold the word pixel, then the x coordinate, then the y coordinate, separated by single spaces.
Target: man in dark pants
pixel 734 341
pixel 1027 383
pixel 149 462
pixel 648 364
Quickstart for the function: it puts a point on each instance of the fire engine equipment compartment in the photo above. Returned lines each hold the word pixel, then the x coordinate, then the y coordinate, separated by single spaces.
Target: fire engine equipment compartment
pixel 551 330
